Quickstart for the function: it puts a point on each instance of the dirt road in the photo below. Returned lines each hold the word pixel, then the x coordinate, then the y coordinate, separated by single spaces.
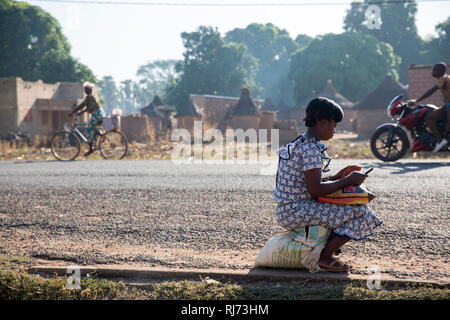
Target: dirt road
pixel 157 213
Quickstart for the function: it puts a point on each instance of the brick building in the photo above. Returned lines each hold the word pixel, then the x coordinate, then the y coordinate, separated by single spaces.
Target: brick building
pixel 187 115
pixel 241 113
pixel 419 81
pixel 297 113
pixel 371 110
pixel 244 114
pixel 213 108
pixel 138 127
pixel 268 105
pixel 37 108
pixel 155 117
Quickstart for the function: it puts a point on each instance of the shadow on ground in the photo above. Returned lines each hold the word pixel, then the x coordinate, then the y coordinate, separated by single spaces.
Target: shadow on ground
pixel 403 168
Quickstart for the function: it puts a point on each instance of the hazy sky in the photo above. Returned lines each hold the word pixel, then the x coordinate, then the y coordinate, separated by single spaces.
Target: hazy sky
pixel 115 39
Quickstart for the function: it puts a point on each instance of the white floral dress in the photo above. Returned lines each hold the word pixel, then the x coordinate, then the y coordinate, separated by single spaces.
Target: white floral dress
pixel 297 209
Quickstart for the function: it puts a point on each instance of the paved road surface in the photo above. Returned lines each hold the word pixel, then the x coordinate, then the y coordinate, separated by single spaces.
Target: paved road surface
pixel 157 213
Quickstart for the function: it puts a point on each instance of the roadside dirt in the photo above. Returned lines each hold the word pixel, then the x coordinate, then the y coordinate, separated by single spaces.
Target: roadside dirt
pixel 221 225
pixel 66 252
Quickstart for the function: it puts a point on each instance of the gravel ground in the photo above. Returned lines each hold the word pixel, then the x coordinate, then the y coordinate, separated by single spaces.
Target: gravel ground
pixel 157 213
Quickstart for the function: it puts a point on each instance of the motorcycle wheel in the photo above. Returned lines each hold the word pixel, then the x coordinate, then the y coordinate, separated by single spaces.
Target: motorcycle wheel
pixel 385 151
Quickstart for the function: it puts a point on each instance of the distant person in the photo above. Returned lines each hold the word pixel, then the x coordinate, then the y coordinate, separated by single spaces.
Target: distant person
pixel 299 182
pixel 96 111
pixel 443 84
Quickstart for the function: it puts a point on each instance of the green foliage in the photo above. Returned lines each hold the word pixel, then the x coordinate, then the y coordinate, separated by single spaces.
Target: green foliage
pixel 127 94
pixel 153 79
pixel 438 49
pixel 58 65
pixel 303 40
pixel 110 93
pixel 272 48
pixel 398 28
pixel 158 71
pixel 33 47
pixel 130 96
pixel 211 65
pixel 355 62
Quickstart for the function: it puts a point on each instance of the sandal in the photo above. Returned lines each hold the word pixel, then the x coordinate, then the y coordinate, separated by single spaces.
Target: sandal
pixel 336 266
pixel 337 252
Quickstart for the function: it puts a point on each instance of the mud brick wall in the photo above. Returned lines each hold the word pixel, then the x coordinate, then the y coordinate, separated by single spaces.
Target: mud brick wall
pixel 419 81
pixel 137 127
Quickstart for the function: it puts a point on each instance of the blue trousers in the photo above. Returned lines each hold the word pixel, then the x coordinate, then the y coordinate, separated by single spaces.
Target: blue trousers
pixel 96 117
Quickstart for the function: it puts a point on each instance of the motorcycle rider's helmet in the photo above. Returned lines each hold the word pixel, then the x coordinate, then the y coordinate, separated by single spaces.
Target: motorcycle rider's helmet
pixel 395 107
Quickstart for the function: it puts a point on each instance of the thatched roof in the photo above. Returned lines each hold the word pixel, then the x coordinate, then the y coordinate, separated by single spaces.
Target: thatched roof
pixel 382 94
pixel 305 102
pixel 245 105
pixel 189 109
pixel 165 109
pixel 152 109
pixel 157 102
pixel 268 105
pixel 330 92
pixel 282 106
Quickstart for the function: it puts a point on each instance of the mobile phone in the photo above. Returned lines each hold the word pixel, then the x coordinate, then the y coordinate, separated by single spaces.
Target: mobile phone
pixel 368 170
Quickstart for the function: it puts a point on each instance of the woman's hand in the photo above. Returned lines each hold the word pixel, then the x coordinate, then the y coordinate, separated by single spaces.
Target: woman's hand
pixel 317 187
pixel 340 174
pixel 356 178
pixel 345 172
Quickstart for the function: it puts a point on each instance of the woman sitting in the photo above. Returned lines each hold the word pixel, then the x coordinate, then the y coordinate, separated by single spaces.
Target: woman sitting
pixel 299 182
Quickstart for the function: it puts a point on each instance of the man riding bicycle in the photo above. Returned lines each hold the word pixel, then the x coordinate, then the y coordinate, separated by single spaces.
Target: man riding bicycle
pixel 443 84
pixel 96 111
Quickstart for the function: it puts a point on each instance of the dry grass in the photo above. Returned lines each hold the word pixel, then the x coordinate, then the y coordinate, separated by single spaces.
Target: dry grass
pixel 350 146
pixel 16 283
pixel 342 146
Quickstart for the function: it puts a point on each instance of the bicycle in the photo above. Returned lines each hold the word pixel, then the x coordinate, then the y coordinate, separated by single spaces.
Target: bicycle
pixel 66 145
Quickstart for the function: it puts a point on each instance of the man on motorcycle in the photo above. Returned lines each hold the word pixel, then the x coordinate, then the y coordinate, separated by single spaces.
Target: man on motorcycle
pixel 443 84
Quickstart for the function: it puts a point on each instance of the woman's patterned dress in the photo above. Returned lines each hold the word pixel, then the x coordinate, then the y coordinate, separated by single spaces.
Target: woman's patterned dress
pixel 297 209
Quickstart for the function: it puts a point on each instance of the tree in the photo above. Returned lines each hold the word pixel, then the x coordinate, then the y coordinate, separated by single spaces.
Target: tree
pixel 127 96
pixel 357 64
pixel 303 40
pixel 131 95
pixel 32 46
pixel 398 28
pixel 158 70
pixel 272 48
pixel 211 65
pixel 438 49
pixel 153 79
pixel 110 94
pixel 59 65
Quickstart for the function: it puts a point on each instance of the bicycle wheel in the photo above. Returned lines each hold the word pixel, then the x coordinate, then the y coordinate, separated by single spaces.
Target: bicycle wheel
pixel 65 146
pixel 113 145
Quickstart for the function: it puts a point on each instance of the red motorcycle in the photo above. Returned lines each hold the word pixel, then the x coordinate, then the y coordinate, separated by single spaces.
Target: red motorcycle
pixel 391 140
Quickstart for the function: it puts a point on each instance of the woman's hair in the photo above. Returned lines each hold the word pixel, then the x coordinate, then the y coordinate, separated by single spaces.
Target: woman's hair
pixel 322 108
